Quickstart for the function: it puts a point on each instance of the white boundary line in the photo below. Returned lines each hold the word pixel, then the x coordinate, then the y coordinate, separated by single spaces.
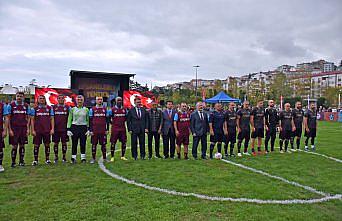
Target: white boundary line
pixel 277 178
pixel 323 155
pixel 309 152
pixel 326 196
pixel 314 153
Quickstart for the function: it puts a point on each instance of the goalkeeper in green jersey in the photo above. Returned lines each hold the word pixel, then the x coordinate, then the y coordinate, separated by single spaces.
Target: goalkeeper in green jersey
pixel 78 128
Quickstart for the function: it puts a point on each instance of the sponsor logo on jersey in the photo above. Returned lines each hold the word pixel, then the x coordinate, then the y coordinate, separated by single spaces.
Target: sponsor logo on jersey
pixel 42 114
pixel 61 113
pixel 119 115
pixel 19 112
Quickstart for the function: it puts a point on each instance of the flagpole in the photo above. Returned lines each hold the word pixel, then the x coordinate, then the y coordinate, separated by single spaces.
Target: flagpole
pixel 281 102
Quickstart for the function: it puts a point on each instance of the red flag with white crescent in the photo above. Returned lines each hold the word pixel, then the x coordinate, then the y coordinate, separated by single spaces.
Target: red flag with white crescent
pixel 51 95
pixel 146 98
pixel 203 94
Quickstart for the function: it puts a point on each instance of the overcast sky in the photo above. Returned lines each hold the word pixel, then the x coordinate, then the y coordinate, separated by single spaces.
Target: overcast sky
pixel 161 40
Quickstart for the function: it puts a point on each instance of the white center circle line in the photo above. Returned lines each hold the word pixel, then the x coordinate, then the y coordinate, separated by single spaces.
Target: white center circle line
pixel 326 196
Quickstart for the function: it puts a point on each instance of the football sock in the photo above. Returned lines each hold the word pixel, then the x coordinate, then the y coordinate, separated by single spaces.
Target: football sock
pixel 281 144
pixel 47 152
pixel 64 150
pixel 123 149
pixel 306 141
pixel 21 154
pixel 239 146
pixel 298 143
pixel 286 144
pixel 226 148
pixel 291 142
pixel 266 143
pixel 93 151
pixel 245 147
pixel 211 149
pixel 231 148
pixel 55 150
pixel 35 152
pixel 104 151
pixel 219 147
pixel 14 153
pixel 1 155
pixel 112 149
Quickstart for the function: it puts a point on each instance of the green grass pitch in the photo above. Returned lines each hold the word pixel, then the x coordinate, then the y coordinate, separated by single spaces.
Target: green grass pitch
pixel 84 192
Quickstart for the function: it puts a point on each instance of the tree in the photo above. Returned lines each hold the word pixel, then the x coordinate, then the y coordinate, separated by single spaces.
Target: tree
pixel 321 101
pixel 217 85
pixel 280 87
pixel 331 95
pixel 292 100
pixel 233 88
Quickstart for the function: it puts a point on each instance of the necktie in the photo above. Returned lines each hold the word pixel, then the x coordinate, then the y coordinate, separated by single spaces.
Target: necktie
pixel 139 113
pixel 201 116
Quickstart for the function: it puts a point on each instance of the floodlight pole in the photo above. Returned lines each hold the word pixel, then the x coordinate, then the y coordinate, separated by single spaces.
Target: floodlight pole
pixel 196 67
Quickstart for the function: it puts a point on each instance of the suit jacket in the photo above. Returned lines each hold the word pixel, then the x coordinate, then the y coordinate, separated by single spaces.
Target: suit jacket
pixel 198 126
pixel 168 122
pixel 155 120
pixel 136 124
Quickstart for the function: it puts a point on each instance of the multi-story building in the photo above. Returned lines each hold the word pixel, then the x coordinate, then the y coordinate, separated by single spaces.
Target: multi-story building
pixel 328 67
pixel 285 68
pixel 311 66
pixel 10 89
pixel 310 78
pixel 322 81
pixel 315 83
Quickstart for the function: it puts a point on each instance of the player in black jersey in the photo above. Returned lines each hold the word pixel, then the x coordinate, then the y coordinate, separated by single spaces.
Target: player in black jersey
pixel 297 114
pixel 216 128
pixel 243 122
pixel 258 125
pixel 271 120
pixel 230 129
pixel 287 127
pixel 310 124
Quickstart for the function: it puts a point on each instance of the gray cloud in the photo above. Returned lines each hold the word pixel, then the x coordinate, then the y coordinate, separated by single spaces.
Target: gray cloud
pixel 160 41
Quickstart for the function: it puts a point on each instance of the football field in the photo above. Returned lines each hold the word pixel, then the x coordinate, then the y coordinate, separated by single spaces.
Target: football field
pixel 290 186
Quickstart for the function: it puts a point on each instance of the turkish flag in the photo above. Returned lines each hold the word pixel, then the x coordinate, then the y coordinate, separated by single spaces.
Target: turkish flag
pixel 203 94
pixel 51 95
pixel 146 98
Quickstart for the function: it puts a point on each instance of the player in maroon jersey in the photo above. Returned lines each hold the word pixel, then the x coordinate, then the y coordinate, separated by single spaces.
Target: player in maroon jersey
pixel 42 128
pixel 118 116
pixel 18 127
pixel 98 128
pixel 61 120
pixel 182 128
pixel 3 132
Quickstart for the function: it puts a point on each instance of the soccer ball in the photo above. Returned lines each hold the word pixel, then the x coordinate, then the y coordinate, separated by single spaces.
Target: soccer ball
pixel 218 156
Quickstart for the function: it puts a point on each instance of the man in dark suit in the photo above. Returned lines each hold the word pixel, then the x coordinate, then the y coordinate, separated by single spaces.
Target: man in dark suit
pixel 137 124
pixel 199 126
pixel 155 123
pixel 168 131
